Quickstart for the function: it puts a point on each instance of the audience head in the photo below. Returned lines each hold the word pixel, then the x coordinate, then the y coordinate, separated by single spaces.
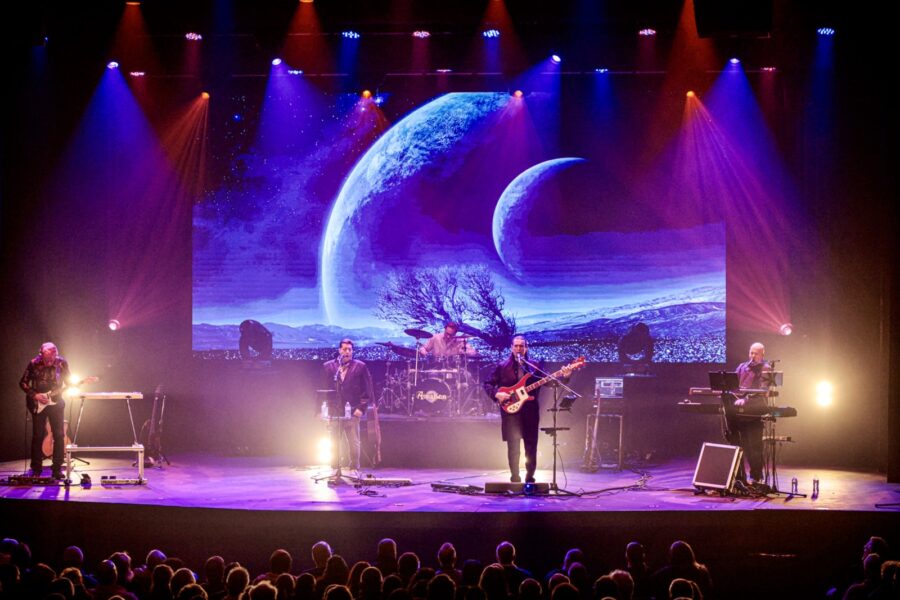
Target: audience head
pixel 280 561
pixel 572 556
pixel 565 591
pixel 530 589
pixel 321 552
pixel 391 582
pixel 338 592
pixel 625 583
pixel 237 581
pixel 447 556
pixel 681 555
pixel 123 567
pixel 407 565
pixel 73 557
pixel 682 588
pixel 634 554
pixel 556 579
pixel 493 582
pixel 192 591
pixel 441 587
pixel 471 572
pixel 106 572
pixel 214 569
pixel 161 577
pixel 506 553
pixel 605 586
pixel 336 570
pixel 154 557
pixel 262 591
pixel 284 583
pixel 181 578
pixel 876 545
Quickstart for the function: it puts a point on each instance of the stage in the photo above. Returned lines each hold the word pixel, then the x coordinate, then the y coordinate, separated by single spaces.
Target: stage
pixel 242 507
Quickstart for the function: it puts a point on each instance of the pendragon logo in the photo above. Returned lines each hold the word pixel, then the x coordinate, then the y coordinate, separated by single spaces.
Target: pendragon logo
pixel 432 396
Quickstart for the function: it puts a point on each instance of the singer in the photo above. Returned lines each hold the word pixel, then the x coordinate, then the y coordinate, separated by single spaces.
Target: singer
pixel 353 384
pixel 523 425
pixel 748 434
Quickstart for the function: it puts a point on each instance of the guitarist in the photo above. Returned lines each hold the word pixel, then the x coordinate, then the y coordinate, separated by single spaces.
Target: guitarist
pixel 521 427
pixel 43 382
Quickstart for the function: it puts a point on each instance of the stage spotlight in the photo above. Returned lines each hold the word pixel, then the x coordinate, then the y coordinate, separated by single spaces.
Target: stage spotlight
pixel 205 95
pixel 444 71
pixel 137 73
pixel 691 94
pixel 295 71
pixel 786 329
pixel 366 94
pixel 601 70
pixel 114 325
pixel 647 32
pixel 825 31
pixel 350 35
pixel 490 33
pixel 276 62
pixel 421 34
pixel 379 100
pixel 112 65
pixel 323 451
pixel 824 393
pixel 518 94
pixel 194 37
pixel 768 69
pixel 71 392
pixel 556 58
pixel 735 61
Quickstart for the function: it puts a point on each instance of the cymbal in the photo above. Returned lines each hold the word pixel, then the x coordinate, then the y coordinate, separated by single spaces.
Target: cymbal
pixel 419 334
pixel 400 350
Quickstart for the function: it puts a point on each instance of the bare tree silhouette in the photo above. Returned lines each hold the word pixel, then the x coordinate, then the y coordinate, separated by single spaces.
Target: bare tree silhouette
pixel 429 297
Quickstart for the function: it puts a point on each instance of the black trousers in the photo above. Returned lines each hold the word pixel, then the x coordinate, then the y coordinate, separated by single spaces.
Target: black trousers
pixel 749 436
pixel 521 430
pixel 55 416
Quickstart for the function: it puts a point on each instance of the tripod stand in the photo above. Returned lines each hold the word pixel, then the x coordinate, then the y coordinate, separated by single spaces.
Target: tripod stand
pixel 336 431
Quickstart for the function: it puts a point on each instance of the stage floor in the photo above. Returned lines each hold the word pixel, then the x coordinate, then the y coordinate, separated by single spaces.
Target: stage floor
pixel 273 483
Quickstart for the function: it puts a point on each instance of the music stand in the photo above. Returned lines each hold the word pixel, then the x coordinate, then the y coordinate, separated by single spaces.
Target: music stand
pixel 334 420
pixel 724 381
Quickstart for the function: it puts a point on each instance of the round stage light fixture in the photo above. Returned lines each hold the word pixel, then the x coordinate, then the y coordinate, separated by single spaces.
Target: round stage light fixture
pixel 786 329
pixel 735 61
pixel 556 58
pixel 647 32
pixel 276 62
pixel 490 33
pixel 114 325
pixel 323 451
pixel 518 94
pixel 112 65
pixel 366 94
pixel 691 94
pixel 205 95
pixel 827 31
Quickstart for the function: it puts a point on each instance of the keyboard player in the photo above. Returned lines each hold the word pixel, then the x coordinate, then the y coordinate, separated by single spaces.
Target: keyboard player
pixel 748 433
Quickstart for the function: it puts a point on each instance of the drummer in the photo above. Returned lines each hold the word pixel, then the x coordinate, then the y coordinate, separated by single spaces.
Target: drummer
pixel 448 344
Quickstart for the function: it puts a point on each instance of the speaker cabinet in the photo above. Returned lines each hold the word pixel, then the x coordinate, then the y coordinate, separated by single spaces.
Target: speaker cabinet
pixel 717 467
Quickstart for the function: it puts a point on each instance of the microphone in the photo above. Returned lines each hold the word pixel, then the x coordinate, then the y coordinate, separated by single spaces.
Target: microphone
pixel 337 371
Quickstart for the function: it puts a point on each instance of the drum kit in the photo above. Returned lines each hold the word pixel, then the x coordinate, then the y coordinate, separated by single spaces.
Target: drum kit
pixel 431 386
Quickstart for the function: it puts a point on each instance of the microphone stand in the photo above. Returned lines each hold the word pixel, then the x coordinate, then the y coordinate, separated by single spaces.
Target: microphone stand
pixel 553 432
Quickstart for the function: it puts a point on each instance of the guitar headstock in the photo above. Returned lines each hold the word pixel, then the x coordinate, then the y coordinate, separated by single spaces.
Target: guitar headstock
pixel 577 363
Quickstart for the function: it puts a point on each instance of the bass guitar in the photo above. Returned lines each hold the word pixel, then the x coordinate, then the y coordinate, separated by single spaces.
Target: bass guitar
pixel 519 393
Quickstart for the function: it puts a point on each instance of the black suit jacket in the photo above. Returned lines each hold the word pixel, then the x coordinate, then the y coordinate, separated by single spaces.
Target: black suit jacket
pixel 527 419
pixel 356 387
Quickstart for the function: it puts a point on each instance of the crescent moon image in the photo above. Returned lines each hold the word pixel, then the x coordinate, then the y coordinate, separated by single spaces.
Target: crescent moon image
pixel 512 210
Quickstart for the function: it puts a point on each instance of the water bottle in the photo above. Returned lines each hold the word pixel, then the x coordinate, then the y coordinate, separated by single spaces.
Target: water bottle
pixel 793 485
pixel 815 486
pixel 324 409
pixel 346 410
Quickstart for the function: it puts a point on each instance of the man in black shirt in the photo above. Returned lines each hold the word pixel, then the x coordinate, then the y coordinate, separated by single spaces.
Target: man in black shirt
pixel 44 380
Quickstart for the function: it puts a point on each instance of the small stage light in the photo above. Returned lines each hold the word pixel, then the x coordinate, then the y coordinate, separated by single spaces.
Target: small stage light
pixel 137 73
pixel 323 451
pixel 735 61
pixel 518 94
pixel 786 329
pixel 490 33
pixel 556 58
pixel 601 70
pixel 366 94
pixel 112 65
pixel 691 94
pixel 205 95
pixel 825 31
pixel 114 325
pixel 421 34
pixel 444 71
pixel 379 100
pixel 647 32
pixel 824 393
pixel 768 69
pixel 350 35
pixel 194 37
pixel 276 62
pixel 295 71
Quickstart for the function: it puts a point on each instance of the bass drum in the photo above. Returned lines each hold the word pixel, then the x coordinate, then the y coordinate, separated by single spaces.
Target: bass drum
pixel 431 397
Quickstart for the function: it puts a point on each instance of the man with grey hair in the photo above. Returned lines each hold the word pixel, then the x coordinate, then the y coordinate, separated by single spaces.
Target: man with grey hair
pixel 45 377
pixel 748 433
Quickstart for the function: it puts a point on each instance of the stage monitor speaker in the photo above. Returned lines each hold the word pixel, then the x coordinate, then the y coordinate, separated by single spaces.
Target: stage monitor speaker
pixel 502 487
pixel 733 18
pixel 717 466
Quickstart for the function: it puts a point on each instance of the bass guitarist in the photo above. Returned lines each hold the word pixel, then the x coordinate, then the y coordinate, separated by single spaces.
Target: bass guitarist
pixel 44 380
pixel 521 426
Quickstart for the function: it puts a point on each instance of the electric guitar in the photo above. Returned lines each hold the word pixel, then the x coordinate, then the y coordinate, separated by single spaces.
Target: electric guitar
pixel 38 407
pixel 518 393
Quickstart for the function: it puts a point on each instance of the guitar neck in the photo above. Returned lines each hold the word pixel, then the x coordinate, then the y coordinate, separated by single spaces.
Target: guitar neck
pixel 543 381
